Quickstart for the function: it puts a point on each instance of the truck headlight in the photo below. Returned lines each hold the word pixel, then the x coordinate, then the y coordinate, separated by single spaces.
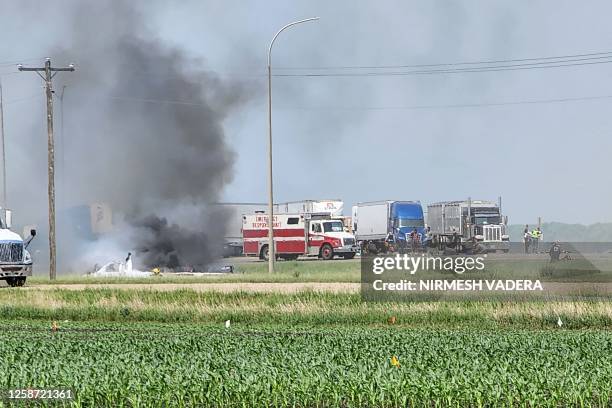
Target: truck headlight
pixel 479 237
pixel 27 258
pixel 505 237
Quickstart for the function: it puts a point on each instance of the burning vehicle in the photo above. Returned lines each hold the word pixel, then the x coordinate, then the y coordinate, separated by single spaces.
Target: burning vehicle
pixel 120 269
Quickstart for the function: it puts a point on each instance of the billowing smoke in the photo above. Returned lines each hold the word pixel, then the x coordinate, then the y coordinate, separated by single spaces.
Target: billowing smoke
pixel 171 245
pixel 145 124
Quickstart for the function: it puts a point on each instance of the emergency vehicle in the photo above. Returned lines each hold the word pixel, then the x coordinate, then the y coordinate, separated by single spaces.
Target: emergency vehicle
pixel 305 234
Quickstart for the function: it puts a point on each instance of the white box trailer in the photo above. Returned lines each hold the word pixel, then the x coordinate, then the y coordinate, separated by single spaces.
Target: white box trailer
pixel 372 220
pixel 333 207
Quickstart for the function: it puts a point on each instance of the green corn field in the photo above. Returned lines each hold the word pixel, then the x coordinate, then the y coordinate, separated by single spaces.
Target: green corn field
pixel 160 365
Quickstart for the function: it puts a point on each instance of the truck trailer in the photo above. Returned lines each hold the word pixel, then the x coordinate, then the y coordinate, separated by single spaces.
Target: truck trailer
pixel 468 225
pixel 333 207
pixel 298 234
pixel 388 226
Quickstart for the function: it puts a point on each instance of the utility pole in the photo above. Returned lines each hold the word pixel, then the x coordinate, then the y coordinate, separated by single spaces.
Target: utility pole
pixel 49 73
pixel 62 147
pixel 4 205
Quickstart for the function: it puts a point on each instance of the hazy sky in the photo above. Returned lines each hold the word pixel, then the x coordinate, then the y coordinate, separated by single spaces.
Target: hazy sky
pixel 353 137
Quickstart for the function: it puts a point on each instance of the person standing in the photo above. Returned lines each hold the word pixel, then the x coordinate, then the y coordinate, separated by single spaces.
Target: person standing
pixel 555 252
pixel 414 240
pixel 428 237
pixel 539 237
pixel 526 238
pixel 535 241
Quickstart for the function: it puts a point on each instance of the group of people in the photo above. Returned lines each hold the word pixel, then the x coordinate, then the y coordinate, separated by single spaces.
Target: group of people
pixel 414 241
pixel 532 239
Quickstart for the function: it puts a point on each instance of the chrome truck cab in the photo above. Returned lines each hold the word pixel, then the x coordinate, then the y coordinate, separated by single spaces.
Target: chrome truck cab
pixel 488 227
pixel 469 225
pixel 15 260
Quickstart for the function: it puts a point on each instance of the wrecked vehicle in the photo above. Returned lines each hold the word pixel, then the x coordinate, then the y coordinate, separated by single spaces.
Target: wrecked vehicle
pixel 120 269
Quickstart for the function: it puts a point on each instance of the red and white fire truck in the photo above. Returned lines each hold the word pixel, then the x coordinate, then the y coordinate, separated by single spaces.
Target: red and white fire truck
pixel 304 234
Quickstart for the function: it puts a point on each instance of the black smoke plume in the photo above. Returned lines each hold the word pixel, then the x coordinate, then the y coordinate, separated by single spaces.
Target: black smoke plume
pixel 145 124
pixel 171 246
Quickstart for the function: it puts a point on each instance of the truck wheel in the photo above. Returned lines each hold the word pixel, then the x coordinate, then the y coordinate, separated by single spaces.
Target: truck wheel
pixel 264 253
pixel 327 252
pixel 21 281
pixel 14 282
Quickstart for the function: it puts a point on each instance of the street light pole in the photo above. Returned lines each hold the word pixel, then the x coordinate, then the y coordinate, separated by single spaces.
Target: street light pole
pixel 4 200
pixel 271 249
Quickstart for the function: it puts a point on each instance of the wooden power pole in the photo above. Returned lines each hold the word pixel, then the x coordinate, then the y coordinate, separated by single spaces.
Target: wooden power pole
pixel 49 73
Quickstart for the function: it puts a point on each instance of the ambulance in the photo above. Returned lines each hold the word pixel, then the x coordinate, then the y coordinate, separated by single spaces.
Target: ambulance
pixel 299 234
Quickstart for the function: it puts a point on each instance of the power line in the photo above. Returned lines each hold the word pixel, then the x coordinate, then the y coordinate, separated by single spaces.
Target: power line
pixel 8 63
pixel 25 98
pixel 593 54
pixel 568 60
pixel 160 101
pixel 409 107
pixel 8 73
pixel 451 106
pixel 536 62
pixel 494 68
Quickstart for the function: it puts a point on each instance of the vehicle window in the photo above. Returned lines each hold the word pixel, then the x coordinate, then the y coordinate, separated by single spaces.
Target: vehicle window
pixel 333 226
pixel 316 227
pixel 405 222
pixel 487 219
pixel 293 221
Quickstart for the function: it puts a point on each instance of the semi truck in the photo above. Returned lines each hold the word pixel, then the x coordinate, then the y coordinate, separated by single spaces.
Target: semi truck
pixel 15 260
pixel 298 234
pixel 468 225
pixel 388 226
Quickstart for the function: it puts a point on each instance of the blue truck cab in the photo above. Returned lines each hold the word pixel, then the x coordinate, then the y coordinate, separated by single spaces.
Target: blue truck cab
pixel 404 217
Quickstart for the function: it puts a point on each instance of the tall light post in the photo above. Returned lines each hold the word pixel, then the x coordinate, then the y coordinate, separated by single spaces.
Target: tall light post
pixel 4 204
pixel 271 249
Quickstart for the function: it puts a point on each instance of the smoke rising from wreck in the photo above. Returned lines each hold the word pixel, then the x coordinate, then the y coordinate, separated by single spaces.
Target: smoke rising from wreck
pixel 147 127
pixel 170 245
